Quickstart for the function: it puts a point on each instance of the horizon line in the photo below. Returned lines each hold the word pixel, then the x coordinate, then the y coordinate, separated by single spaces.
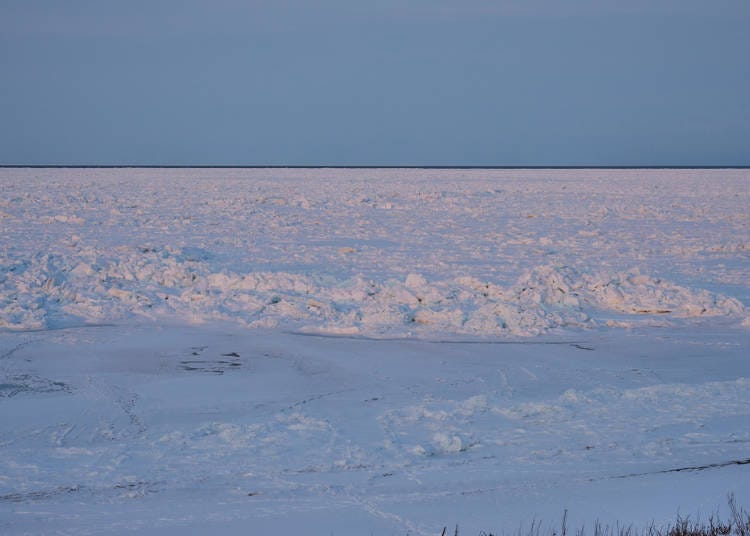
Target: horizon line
pixel 355 166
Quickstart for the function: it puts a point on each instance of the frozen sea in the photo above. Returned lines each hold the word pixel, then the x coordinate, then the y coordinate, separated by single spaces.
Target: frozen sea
pixel 370 351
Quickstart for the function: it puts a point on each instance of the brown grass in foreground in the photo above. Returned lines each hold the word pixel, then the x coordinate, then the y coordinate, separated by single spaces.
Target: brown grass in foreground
pixel 738 524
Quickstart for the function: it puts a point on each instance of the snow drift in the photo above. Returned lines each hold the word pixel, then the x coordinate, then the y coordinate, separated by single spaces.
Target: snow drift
pixel 170 283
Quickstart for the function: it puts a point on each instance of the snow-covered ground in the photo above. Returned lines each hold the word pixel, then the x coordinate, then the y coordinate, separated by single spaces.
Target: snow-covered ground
pixel 372 351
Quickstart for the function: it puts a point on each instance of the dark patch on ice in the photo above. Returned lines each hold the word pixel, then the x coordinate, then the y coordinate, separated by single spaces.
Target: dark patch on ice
pixel 215 366
pixel 211 366
pixel 581 347
pixel 6 355
pixel 314 398
pixel 38 495
pixel 690 468
pixel 140 488
pixel 25 383
pixel 127 404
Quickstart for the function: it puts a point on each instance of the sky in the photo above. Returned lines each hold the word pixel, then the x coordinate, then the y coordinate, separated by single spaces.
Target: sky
pixel 383 82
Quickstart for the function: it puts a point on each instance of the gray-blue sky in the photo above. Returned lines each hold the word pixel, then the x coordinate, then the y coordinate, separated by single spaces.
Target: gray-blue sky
pixel 441 82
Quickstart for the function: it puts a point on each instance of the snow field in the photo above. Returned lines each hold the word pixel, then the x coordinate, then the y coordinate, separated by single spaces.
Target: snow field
pixel 370 351
pixel 121 430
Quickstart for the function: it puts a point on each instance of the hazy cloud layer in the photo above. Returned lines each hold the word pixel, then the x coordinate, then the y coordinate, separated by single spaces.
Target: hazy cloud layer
pixel 440 82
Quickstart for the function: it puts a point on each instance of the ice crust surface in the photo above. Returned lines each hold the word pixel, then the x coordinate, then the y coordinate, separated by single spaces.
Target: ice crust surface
pixel 374 252
pixel 371 351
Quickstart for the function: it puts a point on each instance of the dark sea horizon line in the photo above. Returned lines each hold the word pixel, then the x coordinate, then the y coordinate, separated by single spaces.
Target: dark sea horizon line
pixel 338 166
